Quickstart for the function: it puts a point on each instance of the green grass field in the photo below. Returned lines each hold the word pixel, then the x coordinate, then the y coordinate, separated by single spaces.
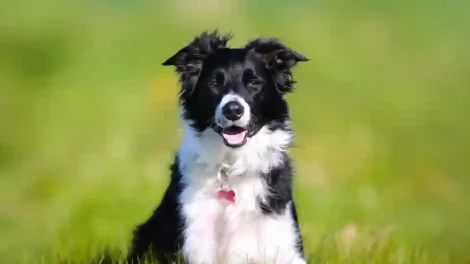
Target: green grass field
pixel 88 122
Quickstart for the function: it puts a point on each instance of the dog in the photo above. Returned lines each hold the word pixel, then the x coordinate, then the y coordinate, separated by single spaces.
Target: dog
pixel 229 199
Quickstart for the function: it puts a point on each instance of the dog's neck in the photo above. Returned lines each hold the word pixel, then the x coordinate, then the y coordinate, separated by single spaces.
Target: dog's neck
pixel 262 152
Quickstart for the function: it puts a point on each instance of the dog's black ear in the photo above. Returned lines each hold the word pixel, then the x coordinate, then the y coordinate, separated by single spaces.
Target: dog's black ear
pixel 188 60
pixel 279 59
pixel 276 55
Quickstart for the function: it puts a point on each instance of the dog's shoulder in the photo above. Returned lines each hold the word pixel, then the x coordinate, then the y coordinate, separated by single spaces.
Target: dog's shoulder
pixel 160 236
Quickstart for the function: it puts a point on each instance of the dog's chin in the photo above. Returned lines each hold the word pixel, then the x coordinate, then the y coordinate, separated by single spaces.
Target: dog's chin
pixel 233 136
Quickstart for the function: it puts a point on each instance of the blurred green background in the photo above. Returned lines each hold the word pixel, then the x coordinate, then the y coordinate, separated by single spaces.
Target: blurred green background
pixel 88 122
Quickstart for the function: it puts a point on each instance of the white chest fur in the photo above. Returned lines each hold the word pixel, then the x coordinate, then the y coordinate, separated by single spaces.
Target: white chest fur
pixel 219 232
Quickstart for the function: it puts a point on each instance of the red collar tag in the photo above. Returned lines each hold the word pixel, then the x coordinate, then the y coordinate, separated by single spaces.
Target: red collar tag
pixel 228 195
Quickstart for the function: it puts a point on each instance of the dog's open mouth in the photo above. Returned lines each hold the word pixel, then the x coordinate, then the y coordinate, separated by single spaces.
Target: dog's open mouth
pixel 234 136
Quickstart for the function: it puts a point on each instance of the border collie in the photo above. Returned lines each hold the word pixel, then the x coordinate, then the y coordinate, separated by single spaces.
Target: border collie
pixel 230 195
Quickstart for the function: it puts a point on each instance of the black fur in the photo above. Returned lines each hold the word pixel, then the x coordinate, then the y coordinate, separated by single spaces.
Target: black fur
pixel 279 181
pixel 260 72
pixel 161 234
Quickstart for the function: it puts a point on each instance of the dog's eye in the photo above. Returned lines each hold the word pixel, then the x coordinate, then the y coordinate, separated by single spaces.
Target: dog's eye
pixel 213 85
pixel 253 84
pixel 218 81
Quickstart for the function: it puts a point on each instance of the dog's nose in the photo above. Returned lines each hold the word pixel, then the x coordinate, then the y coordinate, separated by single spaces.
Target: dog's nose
pixel 233 110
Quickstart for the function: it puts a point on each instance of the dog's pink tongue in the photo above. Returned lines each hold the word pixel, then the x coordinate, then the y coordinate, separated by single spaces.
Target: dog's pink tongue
pixel 234 138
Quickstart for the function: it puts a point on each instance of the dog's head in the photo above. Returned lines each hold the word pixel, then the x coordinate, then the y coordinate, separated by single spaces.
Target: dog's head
pixel 234 91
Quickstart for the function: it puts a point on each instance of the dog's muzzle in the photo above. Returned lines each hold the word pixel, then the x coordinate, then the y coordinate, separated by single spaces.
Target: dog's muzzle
pixel 232 118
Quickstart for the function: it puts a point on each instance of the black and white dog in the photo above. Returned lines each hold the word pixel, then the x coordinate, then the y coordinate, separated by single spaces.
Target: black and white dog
pixel 230 195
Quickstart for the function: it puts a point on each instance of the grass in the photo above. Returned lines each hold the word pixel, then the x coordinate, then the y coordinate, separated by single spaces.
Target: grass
pixel 88 123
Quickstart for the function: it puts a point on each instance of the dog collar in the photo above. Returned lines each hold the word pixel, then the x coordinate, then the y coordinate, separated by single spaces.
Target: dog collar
pixel 225 193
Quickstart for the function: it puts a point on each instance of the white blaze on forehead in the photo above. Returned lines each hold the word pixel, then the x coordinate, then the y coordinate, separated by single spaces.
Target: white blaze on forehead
pixel 222 121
